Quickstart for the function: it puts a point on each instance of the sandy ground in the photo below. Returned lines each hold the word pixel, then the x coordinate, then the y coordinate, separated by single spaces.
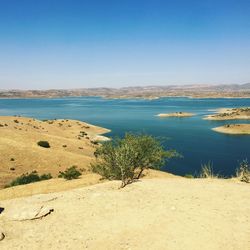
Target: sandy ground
pixel 176 114
pixel 20 152
pixel 223 114
pixel 58 184
pixel 172 213
pixel 234 129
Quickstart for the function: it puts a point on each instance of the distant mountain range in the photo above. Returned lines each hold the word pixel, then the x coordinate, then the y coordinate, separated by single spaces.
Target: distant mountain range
pixel 149 92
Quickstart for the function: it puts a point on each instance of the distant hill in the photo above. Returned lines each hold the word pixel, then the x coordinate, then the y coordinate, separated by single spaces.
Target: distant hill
pixel 149 92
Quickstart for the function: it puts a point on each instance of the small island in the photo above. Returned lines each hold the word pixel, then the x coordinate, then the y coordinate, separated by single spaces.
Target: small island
pixel 234 129
pixel 176 114
pixel 230 114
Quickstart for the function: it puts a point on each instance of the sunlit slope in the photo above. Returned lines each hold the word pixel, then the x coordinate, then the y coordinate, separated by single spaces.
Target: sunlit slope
pixel 71 143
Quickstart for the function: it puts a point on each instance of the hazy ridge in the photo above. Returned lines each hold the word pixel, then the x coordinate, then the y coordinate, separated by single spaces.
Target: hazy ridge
pixel 150 92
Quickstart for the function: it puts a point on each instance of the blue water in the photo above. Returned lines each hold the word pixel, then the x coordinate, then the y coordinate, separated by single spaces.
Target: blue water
pixel 192 137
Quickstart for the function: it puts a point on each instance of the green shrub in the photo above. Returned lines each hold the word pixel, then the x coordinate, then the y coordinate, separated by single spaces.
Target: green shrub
pixel 29 178
pixel 243 172
pixel 70 173
pixel 43 144
pixel 125 159
pixel 44 177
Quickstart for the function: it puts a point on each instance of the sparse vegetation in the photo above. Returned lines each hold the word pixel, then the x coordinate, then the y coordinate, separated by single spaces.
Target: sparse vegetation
pixel 43 144
pixel 189 176
pixel 207 171
pixel 126 159
pixel 70 173
pixel 12 159
pixel 28 178
pixel 83 133
pixel 243 172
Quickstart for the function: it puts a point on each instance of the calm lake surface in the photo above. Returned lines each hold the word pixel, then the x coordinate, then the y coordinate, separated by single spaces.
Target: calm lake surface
pixel 192 137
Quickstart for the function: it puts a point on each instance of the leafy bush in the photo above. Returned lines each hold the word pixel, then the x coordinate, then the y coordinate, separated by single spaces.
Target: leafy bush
pixel 29 178
pixel 70 173
pixel 43 144
pixel 44 177
pixel 243 172
pixel 125 159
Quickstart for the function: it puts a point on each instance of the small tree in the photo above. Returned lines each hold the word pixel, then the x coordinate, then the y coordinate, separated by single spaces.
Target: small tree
pixel 126 159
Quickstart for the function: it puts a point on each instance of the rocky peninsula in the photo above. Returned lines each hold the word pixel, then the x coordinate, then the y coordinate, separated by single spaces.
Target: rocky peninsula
pixel 234 129
pixel 230 114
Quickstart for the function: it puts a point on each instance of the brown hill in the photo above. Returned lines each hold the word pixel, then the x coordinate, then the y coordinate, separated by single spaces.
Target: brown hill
pixel 71 143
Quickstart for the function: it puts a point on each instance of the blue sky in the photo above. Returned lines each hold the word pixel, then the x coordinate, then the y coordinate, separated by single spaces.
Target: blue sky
pixel 92 43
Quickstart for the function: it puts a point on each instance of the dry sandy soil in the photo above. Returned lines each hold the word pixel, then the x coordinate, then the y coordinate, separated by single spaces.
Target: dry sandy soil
pixel 176 114
pixel 58 184
pixel 20 152
pixel 168 213
pixel 234 129
pixel 230 114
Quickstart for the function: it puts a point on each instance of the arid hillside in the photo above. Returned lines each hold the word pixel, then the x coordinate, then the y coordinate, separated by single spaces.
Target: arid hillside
pixel 71 143
pixel 148 92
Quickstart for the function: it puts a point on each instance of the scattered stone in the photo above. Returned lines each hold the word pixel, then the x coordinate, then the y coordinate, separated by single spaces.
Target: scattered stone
pixel 29 212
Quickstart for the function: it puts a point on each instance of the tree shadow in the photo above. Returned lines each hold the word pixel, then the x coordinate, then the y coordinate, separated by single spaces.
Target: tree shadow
pixel 1 209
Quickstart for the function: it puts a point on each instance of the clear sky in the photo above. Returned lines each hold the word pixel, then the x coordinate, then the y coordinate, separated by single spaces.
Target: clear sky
pixel 92 43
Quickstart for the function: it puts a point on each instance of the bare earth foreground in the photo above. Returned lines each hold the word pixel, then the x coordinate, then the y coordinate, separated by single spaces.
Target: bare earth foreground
pixel 170 213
